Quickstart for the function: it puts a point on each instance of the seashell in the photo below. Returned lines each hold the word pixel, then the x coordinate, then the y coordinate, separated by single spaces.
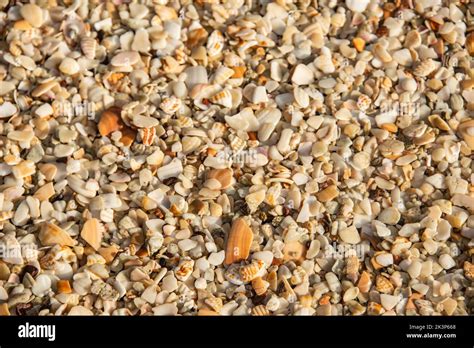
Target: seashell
pixel 260 286
pixel 223 98
pixel 466 130
pixel 92 232
pixel 52 234
pixel 328 194
pixel 294 251
pixel 223 176
pixel 23 169
pixel 141 41
pixel 239 71
pixel 63 286
pixel 214 302
pixel 302 75
pixel 388 301
pixel 365 283
pixel 33 14
pixel 232 274
pixel 289 294
pixel 196 37
pixel 383 285
pixel 110 121
pixel 7 109
pixel 222 74
pixel 260 310
pixel 125 59
pixel 170 105
pixel 238 242
pixel 301 97
pixel 5 215
pixel 88 47
pixel 184 269
pixel 470 44
pixel 424 68
pixel 190 144
pixel 357 5
pixel 69 66
pixel 352 268
pixel 171 170
pixel 469 270
pixel 147 135
pixel 254 199
pixel 73 28
pixel 237 144
pixel 251 271
pixel 375 308
pixel 215 44
pixel 363 102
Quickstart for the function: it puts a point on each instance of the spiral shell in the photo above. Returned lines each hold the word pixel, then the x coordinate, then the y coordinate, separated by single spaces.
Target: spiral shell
pixel 88 47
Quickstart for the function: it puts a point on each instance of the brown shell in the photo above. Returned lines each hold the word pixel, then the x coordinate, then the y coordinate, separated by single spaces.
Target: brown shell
pixel 364 283
pixel 92 233
pixel 260 286
pixel 110 121
pixel 238 242
pixel 63 286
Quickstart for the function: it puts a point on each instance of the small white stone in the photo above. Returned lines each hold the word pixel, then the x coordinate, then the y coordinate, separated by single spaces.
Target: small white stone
pixel 187 244
pixel 350 235
pixel 216 259
pixel 388 301
pixel 169 283
pixel 42 285
pixel 166 309
pixel 446 261
pixel 302 75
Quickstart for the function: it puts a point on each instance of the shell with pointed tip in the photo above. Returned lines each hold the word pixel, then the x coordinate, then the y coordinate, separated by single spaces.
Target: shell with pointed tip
pixel 238 242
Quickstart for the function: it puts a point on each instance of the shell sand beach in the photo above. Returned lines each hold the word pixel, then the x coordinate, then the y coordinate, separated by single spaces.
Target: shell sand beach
pixel 236 157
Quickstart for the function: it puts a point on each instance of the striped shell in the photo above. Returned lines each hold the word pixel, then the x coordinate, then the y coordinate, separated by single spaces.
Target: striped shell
pixel 237 144
pixel 218 129
pixel 88 47
pixel 184 121
pixel 252 271
pixel 170 105
pixel 223 98
pixel 260 310
pixel 214 302
pixel 425 68
pixel 215 44
pixel 148 135
pixel 222 74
